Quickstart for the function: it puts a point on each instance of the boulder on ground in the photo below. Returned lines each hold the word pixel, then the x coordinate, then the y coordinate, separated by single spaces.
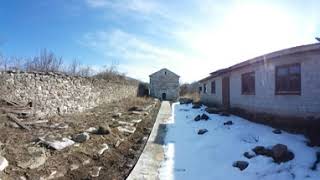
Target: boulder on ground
pixel 202 131
pixel 213 110
pixel 204 117
pixel 3 163
pixel 260 150
pixel 242 165
pixel 197 118
pixel 103 130
pixel 277 131
pixel 80 138
pixel 185 100
pixel 228 123
pixel 280 153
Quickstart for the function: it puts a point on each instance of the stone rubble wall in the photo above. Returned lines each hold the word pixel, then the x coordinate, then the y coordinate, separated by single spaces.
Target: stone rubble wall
pixel 52 93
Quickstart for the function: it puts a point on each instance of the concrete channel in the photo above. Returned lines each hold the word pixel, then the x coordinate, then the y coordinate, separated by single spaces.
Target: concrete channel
pixel 148 165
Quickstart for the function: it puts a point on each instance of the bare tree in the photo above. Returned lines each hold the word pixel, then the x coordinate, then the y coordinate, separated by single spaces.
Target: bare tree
pixel 74 67
pixel 46 62
pixel 85 71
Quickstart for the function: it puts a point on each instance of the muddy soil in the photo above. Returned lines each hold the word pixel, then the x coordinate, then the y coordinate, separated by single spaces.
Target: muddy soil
pixel 30 159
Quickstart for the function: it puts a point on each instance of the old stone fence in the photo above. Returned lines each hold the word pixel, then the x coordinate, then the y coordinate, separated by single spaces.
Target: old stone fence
pixel 51 93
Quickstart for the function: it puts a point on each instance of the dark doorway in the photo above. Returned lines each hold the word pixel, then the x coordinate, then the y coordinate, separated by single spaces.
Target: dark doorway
pixel 164 96
pixel 226 92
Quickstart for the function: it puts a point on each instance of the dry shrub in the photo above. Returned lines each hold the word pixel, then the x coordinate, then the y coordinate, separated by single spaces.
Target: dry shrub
pixel 194 96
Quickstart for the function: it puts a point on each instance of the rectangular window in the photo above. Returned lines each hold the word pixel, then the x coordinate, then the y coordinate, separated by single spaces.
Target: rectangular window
pixel 288 79
pixel 213 87
pixel 248 83
pixel 205 88
pixel 200 89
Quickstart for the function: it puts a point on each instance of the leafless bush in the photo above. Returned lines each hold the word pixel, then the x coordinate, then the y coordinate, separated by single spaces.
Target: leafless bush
pixel 46 62
pixel 111 73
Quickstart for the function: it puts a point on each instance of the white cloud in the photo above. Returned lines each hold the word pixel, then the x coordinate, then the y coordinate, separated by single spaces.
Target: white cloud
pixel 137 57
pixel 212 35
pixel 142 6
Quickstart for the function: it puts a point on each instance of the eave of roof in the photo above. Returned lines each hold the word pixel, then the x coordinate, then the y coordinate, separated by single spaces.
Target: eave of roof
pixel 284 52
pixel 166 70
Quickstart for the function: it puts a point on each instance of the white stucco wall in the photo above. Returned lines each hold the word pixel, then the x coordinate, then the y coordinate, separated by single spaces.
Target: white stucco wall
pixel 265 100
pixel 209 98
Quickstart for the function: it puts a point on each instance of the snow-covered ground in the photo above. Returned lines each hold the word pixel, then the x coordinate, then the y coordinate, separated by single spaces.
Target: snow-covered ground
pixel 211 155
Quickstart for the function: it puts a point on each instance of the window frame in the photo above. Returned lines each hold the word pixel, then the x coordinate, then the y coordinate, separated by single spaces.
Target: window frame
pixel 205 88
pixel 213 87
pixel 287 92
pixel 254 83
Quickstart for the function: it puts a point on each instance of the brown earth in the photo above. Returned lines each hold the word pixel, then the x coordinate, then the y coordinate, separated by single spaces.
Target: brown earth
pixel 81 160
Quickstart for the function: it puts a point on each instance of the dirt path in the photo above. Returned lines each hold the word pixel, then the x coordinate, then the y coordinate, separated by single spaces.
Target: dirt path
pixel 152 156
pixel 30 158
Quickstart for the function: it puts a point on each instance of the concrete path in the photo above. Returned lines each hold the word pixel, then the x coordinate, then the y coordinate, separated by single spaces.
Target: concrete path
pixel 150 160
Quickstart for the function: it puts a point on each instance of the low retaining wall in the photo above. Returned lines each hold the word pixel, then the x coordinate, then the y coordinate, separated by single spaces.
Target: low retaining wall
pixel 51 93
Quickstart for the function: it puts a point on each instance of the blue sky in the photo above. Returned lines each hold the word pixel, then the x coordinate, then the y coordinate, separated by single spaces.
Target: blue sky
pixel 190 37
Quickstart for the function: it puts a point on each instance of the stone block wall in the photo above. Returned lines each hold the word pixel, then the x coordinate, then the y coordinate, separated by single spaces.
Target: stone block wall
pixel 53 94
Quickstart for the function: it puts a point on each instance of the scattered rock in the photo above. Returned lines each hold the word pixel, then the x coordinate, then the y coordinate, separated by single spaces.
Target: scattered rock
pixel 204 117
pixel 242 165
pixel 224 113
pixel 249 155
pixel 136 121
pixel 91 130
pixel 196 106
pixel 202 131
pixel 127 129
pixel 277 131
pixel 36 158
pixel 135 108
pixel 280 153
pixel 57 145
pixel 3 163
pixel 118 143
pixel 228 123
pixel 104 148
pixel 54 175
pixel 81 138
pixel 117 115
pixel 213 110
pixel 74 167
pixel 137 112
pixel 185 100
pixel 86 162
pixel 197 118
pixel 260 150
pixel 103 130
pixel 95 172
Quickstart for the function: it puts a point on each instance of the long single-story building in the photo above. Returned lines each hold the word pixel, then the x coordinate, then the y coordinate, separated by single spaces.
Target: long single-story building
pixel 285 83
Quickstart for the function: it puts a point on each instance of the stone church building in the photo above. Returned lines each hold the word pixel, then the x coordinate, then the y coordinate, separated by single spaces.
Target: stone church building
pixel 164 84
